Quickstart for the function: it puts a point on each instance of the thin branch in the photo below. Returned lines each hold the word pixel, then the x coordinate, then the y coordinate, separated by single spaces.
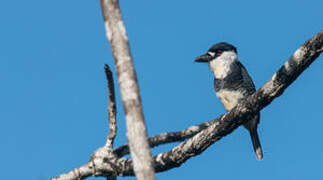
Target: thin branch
pixel 169 137
pixel 220 127
pixel 136 128
pixel 112 110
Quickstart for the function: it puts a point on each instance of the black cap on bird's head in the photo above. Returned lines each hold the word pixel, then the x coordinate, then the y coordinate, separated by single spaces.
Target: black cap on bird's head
pixel 215 51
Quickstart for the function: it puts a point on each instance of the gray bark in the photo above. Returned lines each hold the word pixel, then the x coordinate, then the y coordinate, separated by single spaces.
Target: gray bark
pixel 136 129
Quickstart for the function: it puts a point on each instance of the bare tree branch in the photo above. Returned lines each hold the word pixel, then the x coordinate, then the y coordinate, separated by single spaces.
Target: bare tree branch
pixel 169 137
pixel 112 110
pixel 165 138
pixel 228 122
pixel 136 129
pixel 217 128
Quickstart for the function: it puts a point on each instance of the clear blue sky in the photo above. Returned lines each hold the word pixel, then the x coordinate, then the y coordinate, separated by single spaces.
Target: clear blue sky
pixel 53 89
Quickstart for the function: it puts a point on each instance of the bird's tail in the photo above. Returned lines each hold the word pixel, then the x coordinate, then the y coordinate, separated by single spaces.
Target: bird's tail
pixel 256 143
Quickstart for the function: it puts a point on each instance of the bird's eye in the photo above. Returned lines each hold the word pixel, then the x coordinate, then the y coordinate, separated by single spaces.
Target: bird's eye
pixel 220 52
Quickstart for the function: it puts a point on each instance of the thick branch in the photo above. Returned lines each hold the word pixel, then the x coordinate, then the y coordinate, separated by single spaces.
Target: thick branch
pixel 165 138
pixel 224 125
pixel 136 129
pixel 273 88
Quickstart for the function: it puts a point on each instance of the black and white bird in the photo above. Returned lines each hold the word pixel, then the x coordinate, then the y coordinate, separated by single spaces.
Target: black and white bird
pixel 232 83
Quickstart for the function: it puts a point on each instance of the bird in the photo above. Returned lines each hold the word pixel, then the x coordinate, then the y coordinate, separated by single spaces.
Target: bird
pixel 232 83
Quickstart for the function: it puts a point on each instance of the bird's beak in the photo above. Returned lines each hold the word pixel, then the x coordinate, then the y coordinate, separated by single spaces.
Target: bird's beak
pixel 203 59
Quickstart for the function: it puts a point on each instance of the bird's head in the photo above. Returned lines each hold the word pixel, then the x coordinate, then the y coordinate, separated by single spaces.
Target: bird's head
pixel 220 50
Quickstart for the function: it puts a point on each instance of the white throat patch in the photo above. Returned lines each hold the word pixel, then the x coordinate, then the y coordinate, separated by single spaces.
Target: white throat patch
pixel 221 65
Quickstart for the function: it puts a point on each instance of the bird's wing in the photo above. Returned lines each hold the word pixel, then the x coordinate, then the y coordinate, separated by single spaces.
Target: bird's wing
pixel 246 78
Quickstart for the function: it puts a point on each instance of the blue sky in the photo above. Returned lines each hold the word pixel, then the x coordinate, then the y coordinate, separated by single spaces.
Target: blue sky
pixel 53 92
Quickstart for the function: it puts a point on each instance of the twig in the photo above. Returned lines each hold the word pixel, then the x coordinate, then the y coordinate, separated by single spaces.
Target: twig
pixel 112 110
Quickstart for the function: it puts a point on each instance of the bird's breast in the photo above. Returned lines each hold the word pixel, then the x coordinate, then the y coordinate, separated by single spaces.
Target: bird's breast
pixel 229 98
